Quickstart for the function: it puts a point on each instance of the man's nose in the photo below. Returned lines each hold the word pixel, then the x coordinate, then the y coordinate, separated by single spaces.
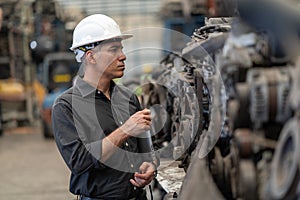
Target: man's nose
pixel 122 56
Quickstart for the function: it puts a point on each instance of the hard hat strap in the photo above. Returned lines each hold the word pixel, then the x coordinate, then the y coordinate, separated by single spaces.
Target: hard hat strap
pixel 87 47
pixel 80 51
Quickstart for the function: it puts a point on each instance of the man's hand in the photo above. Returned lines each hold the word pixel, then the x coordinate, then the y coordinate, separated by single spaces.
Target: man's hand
pixel 138 123
pixel 145 176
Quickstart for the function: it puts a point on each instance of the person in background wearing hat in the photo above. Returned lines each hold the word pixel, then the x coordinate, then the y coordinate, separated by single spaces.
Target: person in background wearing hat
pixel 99 127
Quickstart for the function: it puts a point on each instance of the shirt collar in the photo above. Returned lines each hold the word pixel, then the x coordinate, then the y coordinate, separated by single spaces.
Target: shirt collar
pixel 86 89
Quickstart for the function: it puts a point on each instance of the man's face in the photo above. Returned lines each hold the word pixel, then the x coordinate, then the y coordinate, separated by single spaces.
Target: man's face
pixel 110 60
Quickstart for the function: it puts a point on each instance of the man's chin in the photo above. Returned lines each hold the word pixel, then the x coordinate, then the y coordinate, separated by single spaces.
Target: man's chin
pixel 119 75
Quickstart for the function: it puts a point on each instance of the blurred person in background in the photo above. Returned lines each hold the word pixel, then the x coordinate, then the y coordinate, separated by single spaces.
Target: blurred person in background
pixel 1 17
pixel 98 125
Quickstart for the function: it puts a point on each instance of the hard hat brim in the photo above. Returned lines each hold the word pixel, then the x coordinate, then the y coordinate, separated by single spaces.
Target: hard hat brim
pixel 126 36
pixel 122 37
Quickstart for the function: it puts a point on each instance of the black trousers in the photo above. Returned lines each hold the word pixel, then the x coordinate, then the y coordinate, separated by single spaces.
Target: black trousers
pixel 88 198
pixel 142 195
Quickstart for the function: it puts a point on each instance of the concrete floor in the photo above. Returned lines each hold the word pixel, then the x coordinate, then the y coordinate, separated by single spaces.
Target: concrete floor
pixel 31 168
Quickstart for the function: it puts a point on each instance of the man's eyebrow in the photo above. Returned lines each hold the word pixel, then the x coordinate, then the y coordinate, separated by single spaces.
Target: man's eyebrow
pixel 116 46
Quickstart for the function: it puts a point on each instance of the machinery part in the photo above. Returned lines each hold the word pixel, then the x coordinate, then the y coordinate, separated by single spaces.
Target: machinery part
pixel 228 187
pixel 259 87
pixel 155 97
pixel 244 142
pixel 239 108
pixel 18 100
pixel 12 90
pixel 96 28
pixel 219 169
pixel 234 159
pixel 263 168
pixel 200 94
pixel 207 31
pixel 186 117
pixel 245 48
pixel 248 142
pixel 217 166
pixel 224 170
pixel 269 90
pixel 287 24
pixel 295 94
pixel 199 183
pixel 59 69
pixel 217 109
pixel 189 116
pixel 247 184
pixel 186 100
pixel 206 42
pixel 174 90
pixel 285 174
pixel 188 96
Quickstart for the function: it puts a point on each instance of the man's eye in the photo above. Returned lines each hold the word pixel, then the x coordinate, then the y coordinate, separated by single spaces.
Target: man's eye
pixel 114 49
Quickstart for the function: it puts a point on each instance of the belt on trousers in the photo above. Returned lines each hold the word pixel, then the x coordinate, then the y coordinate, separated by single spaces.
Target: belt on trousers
pixel 89 198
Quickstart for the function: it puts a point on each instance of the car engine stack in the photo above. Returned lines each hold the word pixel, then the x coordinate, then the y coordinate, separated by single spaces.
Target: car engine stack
pixel 229 106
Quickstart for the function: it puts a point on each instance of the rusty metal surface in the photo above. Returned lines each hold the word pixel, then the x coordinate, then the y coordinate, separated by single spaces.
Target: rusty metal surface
pixel 170 176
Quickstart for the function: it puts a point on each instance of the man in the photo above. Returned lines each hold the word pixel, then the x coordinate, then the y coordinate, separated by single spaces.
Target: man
pixel 98 125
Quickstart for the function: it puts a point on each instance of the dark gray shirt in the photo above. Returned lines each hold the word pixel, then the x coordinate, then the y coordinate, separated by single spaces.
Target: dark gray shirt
pixel 82 116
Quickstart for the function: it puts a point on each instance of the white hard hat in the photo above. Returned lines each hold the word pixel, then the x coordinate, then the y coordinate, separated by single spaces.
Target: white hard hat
pixel 96 28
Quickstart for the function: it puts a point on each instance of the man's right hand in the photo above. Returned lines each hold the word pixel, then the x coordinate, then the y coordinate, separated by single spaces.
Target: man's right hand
pixel 138 123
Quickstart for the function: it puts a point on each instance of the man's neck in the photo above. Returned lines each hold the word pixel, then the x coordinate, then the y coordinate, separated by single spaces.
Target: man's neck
pixel 104 86
pixel 102 83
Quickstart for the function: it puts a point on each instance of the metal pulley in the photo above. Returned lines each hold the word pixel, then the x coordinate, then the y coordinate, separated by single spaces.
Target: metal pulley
pixel 285 168
pixel 247 182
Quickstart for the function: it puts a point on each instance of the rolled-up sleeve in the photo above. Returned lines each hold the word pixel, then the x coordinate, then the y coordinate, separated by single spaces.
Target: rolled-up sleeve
pixel 78 155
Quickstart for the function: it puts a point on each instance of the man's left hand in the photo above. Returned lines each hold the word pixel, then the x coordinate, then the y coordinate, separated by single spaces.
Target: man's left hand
pixel 145 175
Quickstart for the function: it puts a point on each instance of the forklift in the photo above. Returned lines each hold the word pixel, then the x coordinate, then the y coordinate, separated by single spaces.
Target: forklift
pixel 19 104
pixel 59 70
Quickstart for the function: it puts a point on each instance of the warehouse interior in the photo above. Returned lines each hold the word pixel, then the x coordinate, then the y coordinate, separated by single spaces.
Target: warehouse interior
pixel 221 77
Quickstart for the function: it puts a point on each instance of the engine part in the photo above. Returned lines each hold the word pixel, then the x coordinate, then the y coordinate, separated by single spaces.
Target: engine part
pixel 244 142
pixel 247 183
pixel 269 90
pixel 285 168
pixel 243 95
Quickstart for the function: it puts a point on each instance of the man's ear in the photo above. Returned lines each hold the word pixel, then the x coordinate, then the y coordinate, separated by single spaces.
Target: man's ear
pixel 90 57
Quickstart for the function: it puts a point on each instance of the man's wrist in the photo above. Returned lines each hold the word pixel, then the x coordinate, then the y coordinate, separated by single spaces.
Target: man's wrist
pixel 155 166
pixel 154 163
